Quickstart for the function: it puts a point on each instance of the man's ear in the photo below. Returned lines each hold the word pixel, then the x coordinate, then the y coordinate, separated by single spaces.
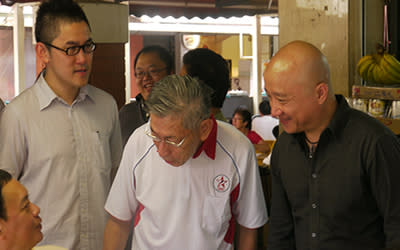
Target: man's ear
pixel 322 91
pixel 42 53
pixel 205 128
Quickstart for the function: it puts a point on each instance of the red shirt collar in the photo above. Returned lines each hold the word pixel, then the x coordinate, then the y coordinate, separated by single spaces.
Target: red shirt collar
pixel 210 144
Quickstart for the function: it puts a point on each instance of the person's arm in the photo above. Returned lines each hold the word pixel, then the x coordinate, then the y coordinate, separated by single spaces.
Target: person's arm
pixel 263 147
pixel 384 174
pixel 281 227
pixel 247 238
pixel 115 144
pixel 115 234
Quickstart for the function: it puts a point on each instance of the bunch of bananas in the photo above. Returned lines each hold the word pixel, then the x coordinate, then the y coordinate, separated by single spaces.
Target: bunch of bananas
pixel 381 68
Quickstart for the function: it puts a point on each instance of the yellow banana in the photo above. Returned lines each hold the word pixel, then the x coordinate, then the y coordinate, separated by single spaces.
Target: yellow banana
pixel 392 63
pixel 363 65
pixel 392 73
pixel 369 75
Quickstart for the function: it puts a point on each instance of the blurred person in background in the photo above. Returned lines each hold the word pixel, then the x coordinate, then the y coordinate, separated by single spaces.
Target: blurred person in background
pixel 335 170
pixel 212 69
pixel 265 123
pixel 242 121
pixel 151 64
pixel 61 137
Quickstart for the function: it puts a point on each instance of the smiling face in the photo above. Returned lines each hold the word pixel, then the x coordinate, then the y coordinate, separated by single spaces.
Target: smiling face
pixel 292 93
pixel 22 229
pixel 154 69
pixel 66 74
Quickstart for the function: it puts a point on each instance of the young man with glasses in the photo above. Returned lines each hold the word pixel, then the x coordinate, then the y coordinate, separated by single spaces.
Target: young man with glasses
pixel 151 64
pixel 185 179
pixel 61 137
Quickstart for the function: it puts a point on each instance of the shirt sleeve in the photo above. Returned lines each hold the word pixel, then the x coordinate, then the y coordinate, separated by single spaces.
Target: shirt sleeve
pixel 251 207
pixel 121 202
pixel 384 173
pixel 13 148
pixel 281 228
pixel 254 137
pixel 115 141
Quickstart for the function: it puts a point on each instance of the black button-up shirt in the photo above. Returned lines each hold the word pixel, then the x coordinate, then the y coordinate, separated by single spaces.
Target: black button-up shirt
pixel 346 195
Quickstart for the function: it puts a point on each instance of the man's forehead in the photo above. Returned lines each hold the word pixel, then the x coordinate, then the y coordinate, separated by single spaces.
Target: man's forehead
pixel 14 191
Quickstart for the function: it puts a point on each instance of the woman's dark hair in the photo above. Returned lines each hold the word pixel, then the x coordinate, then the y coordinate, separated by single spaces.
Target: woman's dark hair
pixel 161 52
pixel 5 177
pixel 245 114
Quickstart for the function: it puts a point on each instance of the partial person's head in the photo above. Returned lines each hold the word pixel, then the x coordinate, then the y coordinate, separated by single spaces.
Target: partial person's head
pixel 20 224
pixel 241 119
pixel 179 108
pixel 64 43
pixel 212 69
pixel 151 64
pixel 264 107
pixel 297 81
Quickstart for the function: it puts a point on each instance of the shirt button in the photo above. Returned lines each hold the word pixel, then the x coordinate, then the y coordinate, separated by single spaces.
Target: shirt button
pixel 314 176
pixel 313 235
pixel 314 205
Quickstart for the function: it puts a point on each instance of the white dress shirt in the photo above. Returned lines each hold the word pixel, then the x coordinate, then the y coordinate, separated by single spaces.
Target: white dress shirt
pixel 64 156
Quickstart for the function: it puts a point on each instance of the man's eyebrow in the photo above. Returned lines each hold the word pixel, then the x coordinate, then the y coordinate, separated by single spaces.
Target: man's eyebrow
pixel 75 43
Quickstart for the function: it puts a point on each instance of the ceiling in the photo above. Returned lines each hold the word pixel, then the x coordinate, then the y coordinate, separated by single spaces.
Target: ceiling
pixel 190 8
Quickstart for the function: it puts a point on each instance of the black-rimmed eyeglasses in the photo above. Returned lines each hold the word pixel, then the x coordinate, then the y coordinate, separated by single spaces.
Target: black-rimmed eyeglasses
pixel 74 50
pixel 140 74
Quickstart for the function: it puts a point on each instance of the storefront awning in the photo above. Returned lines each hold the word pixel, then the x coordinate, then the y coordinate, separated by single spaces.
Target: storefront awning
pixel 202 8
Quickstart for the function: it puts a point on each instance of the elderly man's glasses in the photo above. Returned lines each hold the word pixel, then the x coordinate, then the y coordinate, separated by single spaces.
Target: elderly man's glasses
pixel 171 141
pixel 74 50
pixel 140 74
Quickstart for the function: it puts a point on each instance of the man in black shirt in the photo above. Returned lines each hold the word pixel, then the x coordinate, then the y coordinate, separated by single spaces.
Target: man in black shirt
pixel 335 170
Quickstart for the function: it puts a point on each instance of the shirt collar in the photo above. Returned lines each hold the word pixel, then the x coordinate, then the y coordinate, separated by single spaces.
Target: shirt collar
pixel 210 144
pixel 337 123
pixel 46 95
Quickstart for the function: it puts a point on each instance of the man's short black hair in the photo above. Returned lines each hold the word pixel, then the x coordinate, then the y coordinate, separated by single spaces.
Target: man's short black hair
pixel 163 53
pixel 264 107
pixel 5 177
pixel 52 13
pixel 212 69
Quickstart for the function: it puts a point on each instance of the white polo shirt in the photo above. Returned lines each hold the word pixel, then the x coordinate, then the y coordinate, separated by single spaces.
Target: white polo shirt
pixel 193 206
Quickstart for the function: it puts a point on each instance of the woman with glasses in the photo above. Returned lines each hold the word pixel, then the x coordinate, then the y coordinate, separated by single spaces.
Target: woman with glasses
pixel 151 64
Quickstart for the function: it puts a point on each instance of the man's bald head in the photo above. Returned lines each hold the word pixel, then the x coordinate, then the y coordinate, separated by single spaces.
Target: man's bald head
pixel 301 61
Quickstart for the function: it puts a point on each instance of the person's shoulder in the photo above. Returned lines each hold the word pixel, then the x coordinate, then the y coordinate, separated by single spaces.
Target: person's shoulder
pixel 363 123
pixel 229 135
pixel 98 93
pixel 130 107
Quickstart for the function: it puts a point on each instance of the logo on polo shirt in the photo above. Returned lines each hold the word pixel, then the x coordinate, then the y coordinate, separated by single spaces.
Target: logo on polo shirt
pixel 221 183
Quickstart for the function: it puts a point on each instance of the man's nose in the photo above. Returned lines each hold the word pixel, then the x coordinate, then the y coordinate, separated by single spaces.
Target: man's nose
pixel 162 148
pixel 35 209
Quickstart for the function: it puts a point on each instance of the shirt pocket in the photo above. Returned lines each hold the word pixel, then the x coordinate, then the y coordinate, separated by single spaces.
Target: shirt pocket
pixel 216 215
pixel 100 149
